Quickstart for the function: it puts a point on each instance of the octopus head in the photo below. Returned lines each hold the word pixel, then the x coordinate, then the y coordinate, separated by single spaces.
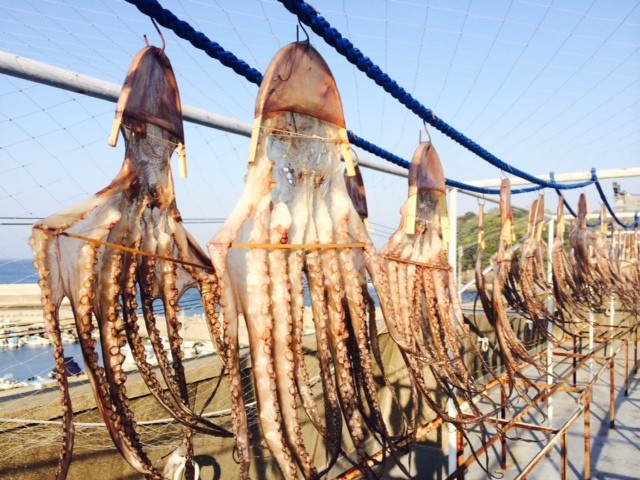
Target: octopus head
pixel 427 182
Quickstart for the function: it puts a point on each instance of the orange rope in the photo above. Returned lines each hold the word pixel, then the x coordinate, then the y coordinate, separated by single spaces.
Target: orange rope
pixel 419 264
pixel 272 246
pixel 135 251
pixel 298 246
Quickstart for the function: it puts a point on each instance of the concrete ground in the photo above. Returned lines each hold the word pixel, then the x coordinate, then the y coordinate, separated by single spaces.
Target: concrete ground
pixel 615 452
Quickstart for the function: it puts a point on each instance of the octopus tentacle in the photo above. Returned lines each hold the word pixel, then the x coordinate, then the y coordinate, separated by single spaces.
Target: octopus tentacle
pixel 378 275
pixel 512 350
pixel 565 290
pixel 301 374
pixel 170 301
pixel 40 241
pixel 362 306
pixel 317 288
pixel 358 317
pixel 435 330
pixel 185 416
pixel 231 359
pixel 130 306
pixel 260 325
pixel 352 356
pixel 135 210
pixel 111 328
pixel 526 289
pixel 339 334
pixel 283 331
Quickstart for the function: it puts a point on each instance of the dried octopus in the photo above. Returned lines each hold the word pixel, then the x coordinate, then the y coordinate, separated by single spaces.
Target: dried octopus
pixel 512 351
pixel 569 311
pixel 625 256
pixel 593 272
pixel 426 303
pixel 128 240
pixel 295 222
pixel 526 289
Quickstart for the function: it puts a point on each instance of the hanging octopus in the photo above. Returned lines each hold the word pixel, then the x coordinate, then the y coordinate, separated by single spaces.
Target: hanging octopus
pixel 623 255
pixel 125 242
pixel 512 350
pixel 526 288
pixel 570 312
pixel 425 299
pixel 592 271
pixel 626 260
pixel 295 223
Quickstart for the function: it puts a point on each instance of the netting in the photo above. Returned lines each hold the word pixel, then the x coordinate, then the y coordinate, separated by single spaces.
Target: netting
pixel 545 87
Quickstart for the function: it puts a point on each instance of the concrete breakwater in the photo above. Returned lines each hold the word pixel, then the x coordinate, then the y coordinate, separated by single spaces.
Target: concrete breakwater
pixel 21 310
pixel 21 314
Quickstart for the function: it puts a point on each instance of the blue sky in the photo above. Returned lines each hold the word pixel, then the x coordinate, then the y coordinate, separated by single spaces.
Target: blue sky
pixel 543 85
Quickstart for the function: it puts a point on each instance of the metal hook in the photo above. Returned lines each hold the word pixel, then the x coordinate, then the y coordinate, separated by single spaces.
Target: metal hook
pixel 426 130
pixel 300 26
pixel 357 159
pixel 159 33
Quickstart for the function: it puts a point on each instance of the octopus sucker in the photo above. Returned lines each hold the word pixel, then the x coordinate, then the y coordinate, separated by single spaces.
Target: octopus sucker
pixel 294 222
pixel 592 270
pixel 526 289
pixel 512 350
pixel 98 253
pixel 431 327
pixel 49 286
pixel 285 329
pixel 624 258
pixel 231 357
pixel 331 430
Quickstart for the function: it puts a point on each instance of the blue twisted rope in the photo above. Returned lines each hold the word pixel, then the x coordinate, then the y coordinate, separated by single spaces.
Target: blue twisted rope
pixel 182 29
pixel 552 179
pixel 568 207
pixel 608 205
pixel 309 16
pixel 396 160
pixel 198 39
pixel 566 204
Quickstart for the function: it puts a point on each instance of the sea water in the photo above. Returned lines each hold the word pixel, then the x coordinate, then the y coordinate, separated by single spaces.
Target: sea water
pixel 28 361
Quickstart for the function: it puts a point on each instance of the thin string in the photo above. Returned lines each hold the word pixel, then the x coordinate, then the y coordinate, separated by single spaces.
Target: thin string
pixel 419 264
pixel 301 135
pixel 250 246
pixel 296 246
pixel 115 246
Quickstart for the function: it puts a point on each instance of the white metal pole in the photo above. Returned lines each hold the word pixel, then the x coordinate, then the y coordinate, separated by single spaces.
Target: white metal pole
pixel 46 74
pixel 592 320
pixel 550 307
pixel 452 208
pixel 564 177
pixel 39 72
